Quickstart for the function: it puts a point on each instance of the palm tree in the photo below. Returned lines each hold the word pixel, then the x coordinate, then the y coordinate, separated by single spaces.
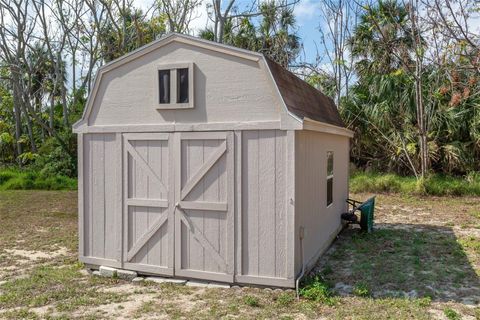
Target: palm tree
pixel 382 39
pixel 273 35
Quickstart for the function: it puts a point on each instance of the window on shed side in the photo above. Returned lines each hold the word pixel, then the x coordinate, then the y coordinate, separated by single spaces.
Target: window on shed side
pixel 329 177
pixel 164 86
pixel 182 85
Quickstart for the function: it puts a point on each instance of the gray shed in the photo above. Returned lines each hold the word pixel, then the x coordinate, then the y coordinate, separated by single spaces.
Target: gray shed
pixel 200 160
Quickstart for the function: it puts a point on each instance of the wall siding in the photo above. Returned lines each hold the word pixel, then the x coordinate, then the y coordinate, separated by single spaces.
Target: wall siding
pixel 101 232
pixel 131 89
pixel 263 212
pixel 319 221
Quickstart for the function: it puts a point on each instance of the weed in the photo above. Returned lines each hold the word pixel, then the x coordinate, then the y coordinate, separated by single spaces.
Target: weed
pixel 36 290
pixel 316 289
pixel 233 308
pixel 451 314
pixel 251 301
pixel 22 313
pixel 361 290
pixel 285 299
pixel 146 308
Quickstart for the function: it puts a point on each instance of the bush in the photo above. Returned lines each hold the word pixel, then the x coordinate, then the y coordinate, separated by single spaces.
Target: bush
pixel 436 184
pixel 53 160
pixel 16 179
pixel 314 288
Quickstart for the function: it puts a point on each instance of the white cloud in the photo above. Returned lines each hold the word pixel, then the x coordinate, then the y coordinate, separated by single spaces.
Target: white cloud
pixel 306 10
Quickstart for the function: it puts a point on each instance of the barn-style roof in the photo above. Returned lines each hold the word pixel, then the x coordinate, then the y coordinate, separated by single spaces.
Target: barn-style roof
pixel 302 99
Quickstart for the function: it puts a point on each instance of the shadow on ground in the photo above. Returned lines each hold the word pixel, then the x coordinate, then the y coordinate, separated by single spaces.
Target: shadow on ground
pixel 402 260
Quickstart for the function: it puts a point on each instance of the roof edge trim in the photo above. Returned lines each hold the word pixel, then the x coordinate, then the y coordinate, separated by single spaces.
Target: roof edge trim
pixel 313 125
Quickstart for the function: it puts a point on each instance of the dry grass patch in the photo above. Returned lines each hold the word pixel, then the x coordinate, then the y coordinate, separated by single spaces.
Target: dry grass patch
pixel 422 262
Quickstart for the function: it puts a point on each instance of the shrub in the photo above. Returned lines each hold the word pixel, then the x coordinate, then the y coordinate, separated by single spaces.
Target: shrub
pixel 16 179
pixel 436 184
pixel 53 160
pixel 314 288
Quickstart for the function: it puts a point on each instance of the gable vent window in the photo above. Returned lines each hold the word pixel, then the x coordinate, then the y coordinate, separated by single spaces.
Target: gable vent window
pixel 329 178
pixel 164 86
pixel 175 86
pixel 182 85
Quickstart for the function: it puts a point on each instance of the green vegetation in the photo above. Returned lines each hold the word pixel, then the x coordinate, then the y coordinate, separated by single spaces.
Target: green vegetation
pixel 412 109
pixel 435 185
pixel 451 314
pixel 316 289
pixel 16 179
pixel 361 289
pixel 251 301
pixel 285 299
pixel 36 290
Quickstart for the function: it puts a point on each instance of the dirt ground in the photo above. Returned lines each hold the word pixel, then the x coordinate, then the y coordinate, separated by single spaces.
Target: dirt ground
pixel 421 262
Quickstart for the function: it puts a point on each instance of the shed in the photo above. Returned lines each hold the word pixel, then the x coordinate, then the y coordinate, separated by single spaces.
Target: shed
pixel 200 160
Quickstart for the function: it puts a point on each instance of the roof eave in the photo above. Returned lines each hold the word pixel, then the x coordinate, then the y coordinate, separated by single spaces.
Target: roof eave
pixel 313 125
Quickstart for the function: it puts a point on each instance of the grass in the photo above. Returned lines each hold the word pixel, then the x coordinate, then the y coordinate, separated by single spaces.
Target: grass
pixel 316 289
pixel 251 301
pixel 435 185
pixel 69 294
pixel 15 179
pixel 388 274
pixel 451 314
pixel 404 262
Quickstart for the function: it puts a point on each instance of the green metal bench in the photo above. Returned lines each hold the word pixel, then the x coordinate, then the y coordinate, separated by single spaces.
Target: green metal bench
pixel 366 208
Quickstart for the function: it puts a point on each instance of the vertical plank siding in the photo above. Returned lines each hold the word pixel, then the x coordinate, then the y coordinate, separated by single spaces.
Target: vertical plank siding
pixel 321 222
pixel 101 219
pixel 264 230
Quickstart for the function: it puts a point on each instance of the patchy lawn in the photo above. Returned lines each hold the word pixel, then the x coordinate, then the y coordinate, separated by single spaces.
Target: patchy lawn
pixel 422 262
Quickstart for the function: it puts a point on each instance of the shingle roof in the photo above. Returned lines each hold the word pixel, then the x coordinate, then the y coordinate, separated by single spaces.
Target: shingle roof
pixel 302 99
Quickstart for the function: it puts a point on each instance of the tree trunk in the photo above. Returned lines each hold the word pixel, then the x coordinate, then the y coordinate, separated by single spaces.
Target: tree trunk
pixel 74 87
pixel 17 113
pixel 52 111
pixel 61 86
pixel 421 118
pixel 30 134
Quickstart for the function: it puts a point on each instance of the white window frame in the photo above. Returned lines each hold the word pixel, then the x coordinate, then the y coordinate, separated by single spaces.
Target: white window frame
pixel 173 86
pixel 330 176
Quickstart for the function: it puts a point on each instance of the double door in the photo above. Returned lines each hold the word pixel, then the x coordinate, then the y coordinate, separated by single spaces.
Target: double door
pixel 178 204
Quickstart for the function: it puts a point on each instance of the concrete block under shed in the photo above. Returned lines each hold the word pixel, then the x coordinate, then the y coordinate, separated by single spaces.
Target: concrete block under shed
pixel 126 274
pixel 108 272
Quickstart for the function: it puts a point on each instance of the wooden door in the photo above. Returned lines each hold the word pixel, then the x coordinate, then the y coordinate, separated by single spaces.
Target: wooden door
pixel 148 203
pixel 204 228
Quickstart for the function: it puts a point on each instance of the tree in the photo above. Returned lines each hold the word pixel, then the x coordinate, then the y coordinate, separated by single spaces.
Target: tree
pixel 179 13
pixel 274 34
